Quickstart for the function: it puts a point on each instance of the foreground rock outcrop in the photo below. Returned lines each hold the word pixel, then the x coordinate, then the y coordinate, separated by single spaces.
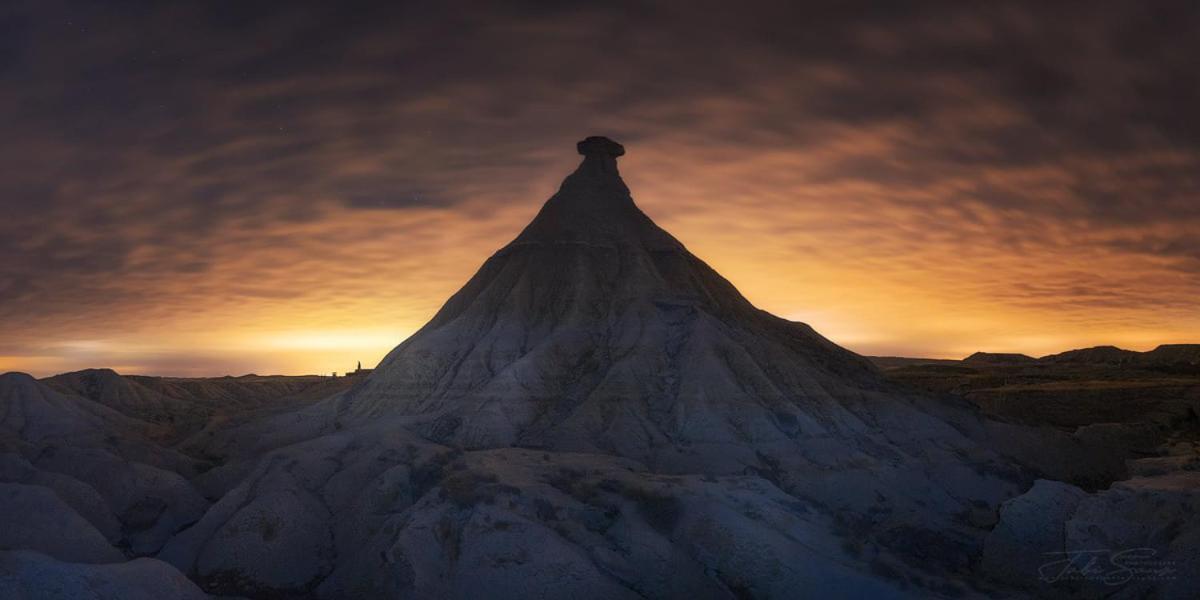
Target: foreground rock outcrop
pixel 1137 539
pixel 33 576
pixel 103 466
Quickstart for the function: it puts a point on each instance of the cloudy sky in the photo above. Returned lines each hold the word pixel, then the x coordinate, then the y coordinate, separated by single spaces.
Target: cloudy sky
pixel 231 187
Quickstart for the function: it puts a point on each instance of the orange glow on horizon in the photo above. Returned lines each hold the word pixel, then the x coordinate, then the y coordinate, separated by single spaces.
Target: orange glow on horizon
pixel 330 292
pixel 926 182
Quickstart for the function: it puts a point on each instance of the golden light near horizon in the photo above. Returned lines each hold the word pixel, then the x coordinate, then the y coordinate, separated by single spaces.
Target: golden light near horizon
pixel 314 350
pixel 874 306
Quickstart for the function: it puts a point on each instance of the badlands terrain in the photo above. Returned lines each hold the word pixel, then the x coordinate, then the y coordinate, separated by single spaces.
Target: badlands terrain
pixel 599 414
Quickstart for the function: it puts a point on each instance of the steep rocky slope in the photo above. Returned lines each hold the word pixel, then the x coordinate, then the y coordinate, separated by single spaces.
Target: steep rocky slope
pixel 591 367
pixel 596 330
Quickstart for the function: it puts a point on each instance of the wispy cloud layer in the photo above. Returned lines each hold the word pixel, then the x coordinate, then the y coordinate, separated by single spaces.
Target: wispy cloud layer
pixel 237 187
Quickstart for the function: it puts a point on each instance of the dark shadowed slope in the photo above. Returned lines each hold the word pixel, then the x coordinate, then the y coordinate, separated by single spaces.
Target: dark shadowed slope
pixel 597 330
pixel 102 464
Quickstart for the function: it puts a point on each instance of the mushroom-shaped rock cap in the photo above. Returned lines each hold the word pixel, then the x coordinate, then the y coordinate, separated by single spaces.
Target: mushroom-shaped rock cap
pixel 598 145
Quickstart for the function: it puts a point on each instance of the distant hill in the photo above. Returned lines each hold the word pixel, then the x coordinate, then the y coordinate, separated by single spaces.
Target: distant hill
pixel 998 358
pixel 1166 355
pixel 1173 354
pixel 186 404
pixel 895 362
pixel 1097 355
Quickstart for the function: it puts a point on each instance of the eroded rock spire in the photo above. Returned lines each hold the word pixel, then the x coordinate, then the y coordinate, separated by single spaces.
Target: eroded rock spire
pixel 600 153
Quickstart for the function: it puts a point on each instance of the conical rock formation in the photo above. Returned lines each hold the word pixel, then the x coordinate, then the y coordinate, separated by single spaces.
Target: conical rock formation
pixel 597 330
pixel 598 414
